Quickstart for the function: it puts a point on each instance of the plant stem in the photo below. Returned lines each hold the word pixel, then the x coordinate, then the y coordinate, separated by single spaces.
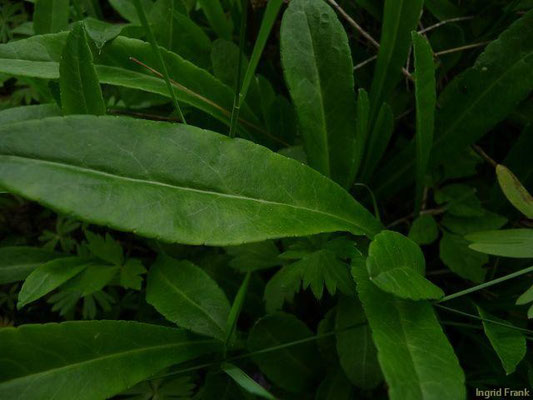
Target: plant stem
pixel 236 100
pixel 439 24
pixel 485 285
pixel 461 48
pixel 157 52
pixel 483 319
pixel 484 155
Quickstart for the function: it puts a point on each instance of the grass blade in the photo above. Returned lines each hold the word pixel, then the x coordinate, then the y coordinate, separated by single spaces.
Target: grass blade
pixel 426 100
pixel 157 52
pixel 236 308
pixel 244 381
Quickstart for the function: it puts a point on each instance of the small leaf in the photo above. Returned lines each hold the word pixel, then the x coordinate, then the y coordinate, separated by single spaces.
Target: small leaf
pixel 509 344
pixel 96 350
pixel 526 297
pixel 424 230
pixel 515 243
pixel 78 81
pixel 293 368
pixel 216 18
pixel 50 16
pixel 514 191
pixel 406 283
pixel 49 276
pixel 244 381
pixel 456 255
pixel 102 32
pixel 92 279
pixel 426 100
pixel 126 9
pixel 235 310
pixel 107 249
pixel 396 265
pixel 187 296
pixel 130 274
pixel 17 262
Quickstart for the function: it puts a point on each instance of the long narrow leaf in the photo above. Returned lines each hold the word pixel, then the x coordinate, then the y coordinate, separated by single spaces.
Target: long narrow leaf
pixel 78 82
pixel 318 69
pixel 426 99
pixel 123 173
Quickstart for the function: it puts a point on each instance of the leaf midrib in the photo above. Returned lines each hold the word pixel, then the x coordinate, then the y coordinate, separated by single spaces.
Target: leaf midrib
pixel 187 189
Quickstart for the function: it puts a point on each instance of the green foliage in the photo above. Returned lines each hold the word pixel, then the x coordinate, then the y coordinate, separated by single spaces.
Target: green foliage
pixel 318 70
pixel 78 82
pixel 368 234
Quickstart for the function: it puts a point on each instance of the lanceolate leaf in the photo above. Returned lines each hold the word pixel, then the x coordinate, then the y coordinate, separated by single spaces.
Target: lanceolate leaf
pixel 187 296
pixel 244 381
pixel 48 277
pixel 516 243
pixel 80 89
pixel 123 173
pixel 192 85
pixel 88 360
pixel 514 191
pixel 499 80
pixel 17 262
pixel 318 69
pixel 509 344
pixel 403 331
pixel 426 99
pixel 361 128
pixel 50 16
pixel 218 21
pixel 399 19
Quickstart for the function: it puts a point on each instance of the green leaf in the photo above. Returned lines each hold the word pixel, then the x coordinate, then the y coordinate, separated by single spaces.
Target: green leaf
pixel 192 85
pixel 107 249
pixel 235 311
pixel 82 360
pixel 244 381
pixel 92 279
pixel 177 32
pixel 378 141
pixel 456 255
pixel 293 368
pixel 509 344
pixel 80 89
pixel 406 283
pixel 318 67
pixel 120 176
pixel 102 32
pixel 126 9
pixel 460 200
pixel 424 230
pixel 515 243
pixel 426 100
pixel 355 347
pixel 130 274
pixel 403 331
pixel 361 128
pixel 187 296
pixel 50 16
pixel 396 265
pixel 214 13
pixel 49 276
pixel 400 17
pixel 17 262
pixel 465 225
pixel 517 194
pixel 254 256
pixel 506 63
pixel 526 297
pixel 269 17
pixel 335 387
pixel 26 113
